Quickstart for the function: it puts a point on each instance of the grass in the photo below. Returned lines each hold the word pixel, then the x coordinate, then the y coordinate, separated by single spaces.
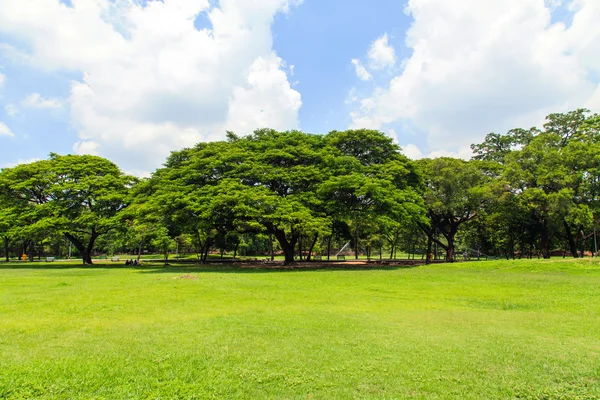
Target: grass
pixel 496 329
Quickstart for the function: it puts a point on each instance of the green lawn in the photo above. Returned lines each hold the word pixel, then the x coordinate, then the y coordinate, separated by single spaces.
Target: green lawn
pixel 485 330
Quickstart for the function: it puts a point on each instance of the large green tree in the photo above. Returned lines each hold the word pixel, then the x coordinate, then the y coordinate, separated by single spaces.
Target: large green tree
pixel 281 183
pixel 78 196
pixel 555 177
pixel 455 193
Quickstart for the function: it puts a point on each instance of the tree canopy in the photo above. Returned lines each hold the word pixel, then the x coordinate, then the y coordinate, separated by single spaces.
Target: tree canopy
pixel 525 192
pixel 77 196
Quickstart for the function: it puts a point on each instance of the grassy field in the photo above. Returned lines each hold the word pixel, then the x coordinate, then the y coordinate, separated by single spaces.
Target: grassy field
pixel 496 329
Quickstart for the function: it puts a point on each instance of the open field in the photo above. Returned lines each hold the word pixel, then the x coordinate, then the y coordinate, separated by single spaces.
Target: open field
pixel 496 329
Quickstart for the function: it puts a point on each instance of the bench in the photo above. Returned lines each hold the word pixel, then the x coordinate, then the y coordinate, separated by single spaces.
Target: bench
pixel 49 259
pixel 115 259
pixel 341 258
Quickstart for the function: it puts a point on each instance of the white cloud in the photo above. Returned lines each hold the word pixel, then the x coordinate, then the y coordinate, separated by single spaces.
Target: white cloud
pixel 19 162
pixel 5 130
pixel 463 152
pixel 486 65
pixel 412 151
pixel 35 100
pixel 11 110
pixel 151 82
pixel 2 79
pixel 266 100
pixel 361 71
pixel 381 54
pixel 86 147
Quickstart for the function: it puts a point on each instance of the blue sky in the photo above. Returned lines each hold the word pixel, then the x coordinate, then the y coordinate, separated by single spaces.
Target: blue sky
pixel 133 80
pixel 320 51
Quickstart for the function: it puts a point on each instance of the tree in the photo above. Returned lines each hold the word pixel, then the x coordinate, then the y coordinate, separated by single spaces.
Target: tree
pixel 279 183
pixel 455 193
pixel 555 177
pixel 372 178
pixel 6 215
pixel 78 196
pixel 263 182
pixel 496 147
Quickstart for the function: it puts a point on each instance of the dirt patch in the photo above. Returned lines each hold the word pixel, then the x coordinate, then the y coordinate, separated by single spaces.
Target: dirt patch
pixel 186 277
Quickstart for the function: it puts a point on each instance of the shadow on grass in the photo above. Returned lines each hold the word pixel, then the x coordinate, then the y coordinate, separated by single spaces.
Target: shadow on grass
pixel 58 265
pixel 173 267
pixel 262 270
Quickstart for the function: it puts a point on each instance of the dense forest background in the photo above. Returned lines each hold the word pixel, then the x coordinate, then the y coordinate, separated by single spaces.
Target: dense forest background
pixel 525 193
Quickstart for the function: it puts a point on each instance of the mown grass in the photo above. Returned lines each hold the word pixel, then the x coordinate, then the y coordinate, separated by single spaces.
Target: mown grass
pixel 496 329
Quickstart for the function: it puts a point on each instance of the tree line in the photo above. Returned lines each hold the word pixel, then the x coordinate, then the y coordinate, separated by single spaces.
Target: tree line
pixel 524 193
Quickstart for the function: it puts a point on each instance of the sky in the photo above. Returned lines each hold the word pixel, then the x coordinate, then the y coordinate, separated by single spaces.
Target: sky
pixel 132 80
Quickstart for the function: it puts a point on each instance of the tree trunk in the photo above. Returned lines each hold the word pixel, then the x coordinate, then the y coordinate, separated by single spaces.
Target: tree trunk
pixel 312 246
pixel 80 247
pixel 329 246
pixel 237 244
pixel 271 244
pixel 571 240
pixel 522 246
pixel 429 245
pixel 31 251
pixel 85 251
pixel 450 249
pixel 90 247
pixel 6 249
pixel 583 240
pixel 356 242
pixel 288 247
pixel 206 250
pixel 512 248
pixel 450 235
pixel 544 242
pixel 288 253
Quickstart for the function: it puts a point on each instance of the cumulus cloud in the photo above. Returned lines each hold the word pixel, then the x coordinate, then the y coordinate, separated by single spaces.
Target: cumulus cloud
pixel 151 81
pixel 35 100
pixel 5 131
pixel 484 65
pixel 267 99
pixel 361 71
pixel 412 151
pixel 381 54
